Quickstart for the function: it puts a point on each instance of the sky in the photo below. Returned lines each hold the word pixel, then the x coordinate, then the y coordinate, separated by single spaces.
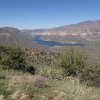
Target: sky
pixel 36 14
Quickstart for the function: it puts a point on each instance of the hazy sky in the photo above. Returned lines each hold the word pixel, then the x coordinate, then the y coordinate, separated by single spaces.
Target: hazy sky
pixel 32 14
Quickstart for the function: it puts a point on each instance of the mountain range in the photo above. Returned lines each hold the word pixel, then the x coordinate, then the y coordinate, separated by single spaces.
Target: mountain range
pixel 87 32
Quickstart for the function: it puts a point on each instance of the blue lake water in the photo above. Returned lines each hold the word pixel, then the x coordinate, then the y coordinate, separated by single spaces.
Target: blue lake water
pixel 40 41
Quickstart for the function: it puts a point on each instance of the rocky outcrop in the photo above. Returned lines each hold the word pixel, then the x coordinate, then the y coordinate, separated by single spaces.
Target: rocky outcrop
pixel 41 57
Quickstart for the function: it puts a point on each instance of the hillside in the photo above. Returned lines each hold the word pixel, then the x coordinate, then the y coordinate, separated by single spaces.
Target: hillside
pixel 15 37
pixel 70 78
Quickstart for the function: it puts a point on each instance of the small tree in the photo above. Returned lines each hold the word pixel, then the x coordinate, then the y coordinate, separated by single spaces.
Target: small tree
pixel 12 57
pixel 73 61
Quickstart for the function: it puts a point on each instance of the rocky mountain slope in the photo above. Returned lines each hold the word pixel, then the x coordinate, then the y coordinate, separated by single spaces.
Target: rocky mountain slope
pixel 84 32
pixel 15 37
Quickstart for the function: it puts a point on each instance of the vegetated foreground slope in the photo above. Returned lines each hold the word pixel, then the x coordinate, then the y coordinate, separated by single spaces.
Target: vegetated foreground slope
pixel 50 82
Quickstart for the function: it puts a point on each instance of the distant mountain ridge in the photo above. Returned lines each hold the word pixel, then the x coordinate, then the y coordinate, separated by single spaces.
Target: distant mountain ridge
pixel 87 32
pixel 79 28
pixel 84 32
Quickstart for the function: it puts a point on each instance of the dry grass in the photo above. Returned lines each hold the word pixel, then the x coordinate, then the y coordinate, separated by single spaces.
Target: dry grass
pixel 21 87
pixel 71 89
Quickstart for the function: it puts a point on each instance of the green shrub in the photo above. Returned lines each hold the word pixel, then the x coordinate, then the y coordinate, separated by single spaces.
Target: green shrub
pixel 12 57
pixel 73 62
